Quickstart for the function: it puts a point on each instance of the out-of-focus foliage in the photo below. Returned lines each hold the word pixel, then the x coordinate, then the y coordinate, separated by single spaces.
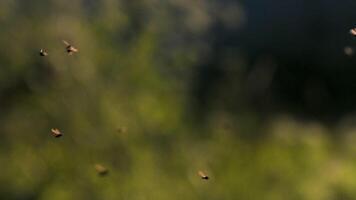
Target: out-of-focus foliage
pixel 137 99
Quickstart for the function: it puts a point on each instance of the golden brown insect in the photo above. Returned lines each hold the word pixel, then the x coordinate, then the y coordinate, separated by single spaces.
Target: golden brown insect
pixel 348 51
pixel 70 49
pixel 353 31
pixel 101 170
pixel 43 52
pixel 203 175
pixel 56 133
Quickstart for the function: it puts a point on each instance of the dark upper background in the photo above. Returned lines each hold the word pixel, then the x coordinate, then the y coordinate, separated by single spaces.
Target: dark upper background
pixel 300 45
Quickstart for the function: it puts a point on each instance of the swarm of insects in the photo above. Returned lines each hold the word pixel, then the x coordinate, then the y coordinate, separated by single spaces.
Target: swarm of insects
pixel 43 52
pixel 353 31
pixel 203 175
pixel 70 48
pixel 101 170
pixel 56 133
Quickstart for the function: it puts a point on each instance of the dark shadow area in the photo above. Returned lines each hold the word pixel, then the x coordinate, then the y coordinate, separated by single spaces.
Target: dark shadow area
pixel 295 61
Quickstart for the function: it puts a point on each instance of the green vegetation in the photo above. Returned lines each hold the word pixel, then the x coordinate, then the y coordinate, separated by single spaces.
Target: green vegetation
pixel 125 101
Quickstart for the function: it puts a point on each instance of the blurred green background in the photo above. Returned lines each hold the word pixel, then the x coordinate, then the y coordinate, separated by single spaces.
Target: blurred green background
pixel 258 95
